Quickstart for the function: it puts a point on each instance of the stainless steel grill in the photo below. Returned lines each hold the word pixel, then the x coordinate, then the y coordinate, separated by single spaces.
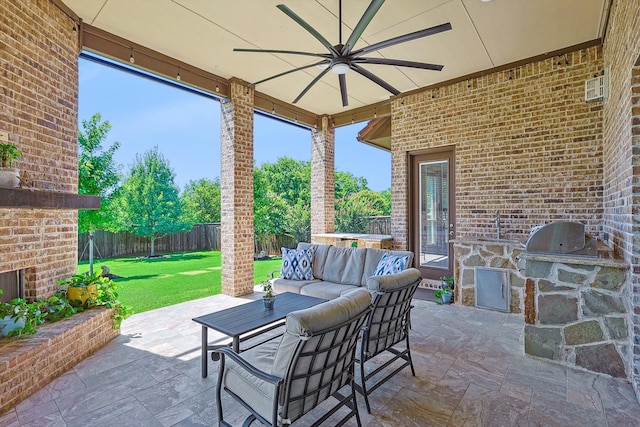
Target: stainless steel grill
pixel 562 238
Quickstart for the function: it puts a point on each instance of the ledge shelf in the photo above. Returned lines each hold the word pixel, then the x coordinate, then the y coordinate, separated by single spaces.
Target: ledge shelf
pixel 43 199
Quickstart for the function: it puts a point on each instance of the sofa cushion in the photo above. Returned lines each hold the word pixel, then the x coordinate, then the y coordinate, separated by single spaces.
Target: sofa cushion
pixel 319 257
pixel 326 290
pixel 281 285
pixel 373 258
pixel 391 264
pixel 344 265
pixel 297 264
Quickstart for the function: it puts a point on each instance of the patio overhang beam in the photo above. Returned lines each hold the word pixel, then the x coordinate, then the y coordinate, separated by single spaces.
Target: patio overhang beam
pixel 361 114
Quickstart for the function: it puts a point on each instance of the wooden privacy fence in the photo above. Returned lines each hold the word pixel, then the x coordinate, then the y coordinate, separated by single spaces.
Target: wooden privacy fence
pixel 109 245
pixel 202 237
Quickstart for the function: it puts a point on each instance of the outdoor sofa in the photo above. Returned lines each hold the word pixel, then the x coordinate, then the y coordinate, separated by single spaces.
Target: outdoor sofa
pixel 326 271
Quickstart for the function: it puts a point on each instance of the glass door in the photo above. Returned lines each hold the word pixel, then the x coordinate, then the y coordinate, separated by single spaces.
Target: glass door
pixel 433 214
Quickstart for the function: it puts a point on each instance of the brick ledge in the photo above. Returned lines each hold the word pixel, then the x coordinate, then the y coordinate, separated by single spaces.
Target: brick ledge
pixel 28 364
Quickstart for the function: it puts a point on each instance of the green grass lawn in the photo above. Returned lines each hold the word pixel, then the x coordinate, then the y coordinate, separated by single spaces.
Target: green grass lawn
pixel 147 284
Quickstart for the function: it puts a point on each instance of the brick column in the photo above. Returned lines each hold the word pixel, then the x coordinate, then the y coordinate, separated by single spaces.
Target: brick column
pixel 236 181
pixel 323 178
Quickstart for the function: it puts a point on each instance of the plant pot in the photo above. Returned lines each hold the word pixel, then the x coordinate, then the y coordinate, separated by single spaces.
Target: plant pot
pixel 7 324
pixel 268 302
pixel 9 177
pixel 446 298
pixel 78 295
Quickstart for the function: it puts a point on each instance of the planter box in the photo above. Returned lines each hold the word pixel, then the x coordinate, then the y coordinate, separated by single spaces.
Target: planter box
pixel 24 370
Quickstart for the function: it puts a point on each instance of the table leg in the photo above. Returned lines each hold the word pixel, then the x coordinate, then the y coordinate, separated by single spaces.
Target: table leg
pixel 205 344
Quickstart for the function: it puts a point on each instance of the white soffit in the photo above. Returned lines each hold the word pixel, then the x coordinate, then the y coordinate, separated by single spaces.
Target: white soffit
pixel 203 33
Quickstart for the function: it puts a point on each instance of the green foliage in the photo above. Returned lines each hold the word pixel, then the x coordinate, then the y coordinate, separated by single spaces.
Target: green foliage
pixel 352 210
pixel 298 222
pixel 347 184
pixel 57 307
pixel 98 175
pixel 149 204
pixel 386 196
pixel 19 308
pixel 8 153
pixel 201 201
pixel 107 294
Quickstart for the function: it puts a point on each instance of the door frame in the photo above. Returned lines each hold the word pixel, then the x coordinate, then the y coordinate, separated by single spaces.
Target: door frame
pixel 415 157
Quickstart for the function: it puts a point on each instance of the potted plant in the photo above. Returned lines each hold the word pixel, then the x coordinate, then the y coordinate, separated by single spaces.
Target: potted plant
pixel 82 289
pixel 444 295
pixel 269 298
pixel 8 174
pixel 93 290
pixel 18 317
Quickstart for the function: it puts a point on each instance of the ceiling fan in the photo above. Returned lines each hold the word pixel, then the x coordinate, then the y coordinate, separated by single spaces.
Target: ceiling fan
pixel 342 58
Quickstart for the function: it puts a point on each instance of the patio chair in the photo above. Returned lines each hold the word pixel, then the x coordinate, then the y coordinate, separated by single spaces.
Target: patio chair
pixel 281 380
pixel 386 327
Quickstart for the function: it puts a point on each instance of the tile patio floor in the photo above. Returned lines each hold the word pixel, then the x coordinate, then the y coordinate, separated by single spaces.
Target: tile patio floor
pixel 470 371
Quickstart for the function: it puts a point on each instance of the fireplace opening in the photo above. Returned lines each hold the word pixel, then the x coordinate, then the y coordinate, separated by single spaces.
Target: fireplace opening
pixel 12 285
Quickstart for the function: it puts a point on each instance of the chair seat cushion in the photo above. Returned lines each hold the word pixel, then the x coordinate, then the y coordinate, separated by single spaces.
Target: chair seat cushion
pixel 258 393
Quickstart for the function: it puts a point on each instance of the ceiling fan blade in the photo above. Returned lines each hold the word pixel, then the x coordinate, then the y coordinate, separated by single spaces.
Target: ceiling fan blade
pixel 289 72
pixel 366 18
pixel 291 52
pixel 343 89
pixel 314 81
pixel 401 39
pixel 291 14
pixel 398 63
pixel 377 80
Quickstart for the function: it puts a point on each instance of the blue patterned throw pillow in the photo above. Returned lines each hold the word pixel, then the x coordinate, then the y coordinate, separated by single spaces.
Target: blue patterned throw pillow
pixel 297 264
pixel 391 264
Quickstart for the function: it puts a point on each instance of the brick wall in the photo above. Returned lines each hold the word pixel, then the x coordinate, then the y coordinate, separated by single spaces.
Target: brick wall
pixel 38 108
pixel 622 150
pixel 237 191
pixel 526 144
pixel 27 365
pixel 322 179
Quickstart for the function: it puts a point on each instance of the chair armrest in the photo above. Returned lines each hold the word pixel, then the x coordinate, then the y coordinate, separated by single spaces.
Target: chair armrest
pixel 272 274
pixel 226 351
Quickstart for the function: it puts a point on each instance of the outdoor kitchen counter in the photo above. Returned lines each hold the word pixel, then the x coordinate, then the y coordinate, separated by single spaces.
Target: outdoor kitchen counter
pixel 605 258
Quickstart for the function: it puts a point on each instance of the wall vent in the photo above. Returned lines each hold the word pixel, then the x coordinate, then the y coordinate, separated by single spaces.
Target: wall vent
pixel 597 88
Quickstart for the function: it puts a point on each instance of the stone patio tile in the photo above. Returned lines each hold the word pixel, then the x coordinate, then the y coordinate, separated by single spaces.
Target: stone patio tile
pixel 470 370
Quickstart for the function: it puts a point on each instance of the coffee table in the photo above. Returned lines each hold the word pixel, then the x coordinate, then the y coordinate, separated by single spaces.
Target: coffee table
pixel 238 322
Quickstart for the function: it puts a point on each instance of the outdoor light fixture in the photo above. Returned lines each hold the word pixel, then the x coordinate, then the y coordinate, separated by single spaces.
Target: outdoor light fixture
pixel 340 68
pixel 131 58
pixel 178 78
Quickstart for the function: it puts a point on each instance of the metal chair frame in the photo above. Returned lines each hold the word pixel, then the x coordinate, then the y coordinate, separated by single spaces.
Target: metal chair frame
pixel 340 340
pixel 388 324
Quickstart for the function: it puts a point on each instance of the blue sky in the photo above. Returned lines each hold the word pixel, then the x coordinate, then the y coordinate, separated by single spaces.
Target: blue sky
pixel 186 129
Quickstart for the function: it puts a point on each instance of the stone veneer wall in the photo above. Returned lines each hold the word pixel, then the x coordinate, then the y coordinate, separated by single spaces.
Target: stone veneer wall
pixel 526 144
pixel 39 110
pixel 28 364
pixel 578 314
pixel 470 254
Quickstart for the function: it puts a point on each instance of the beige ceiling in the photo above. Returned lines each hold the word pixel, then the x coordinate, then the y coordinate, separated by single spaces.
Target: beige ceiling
pixel 484 35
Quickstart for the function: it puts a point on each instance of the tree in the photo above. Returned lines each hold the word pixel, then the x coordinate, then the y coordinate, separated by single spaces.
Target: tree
pixel 201 201
pixel 351 211
pixel 98 175
pixel 347 184
pixel 150 205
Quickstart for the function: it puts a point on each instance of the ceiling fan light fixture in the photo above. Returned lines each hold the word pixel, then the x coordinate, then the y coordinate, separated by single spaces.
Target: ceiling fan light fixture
pixel 323 66
pixel 340 68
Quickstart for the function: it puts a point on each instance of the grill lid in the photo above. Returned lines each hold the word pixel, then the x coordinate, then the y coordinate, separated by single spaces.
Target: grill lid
pixel 563 238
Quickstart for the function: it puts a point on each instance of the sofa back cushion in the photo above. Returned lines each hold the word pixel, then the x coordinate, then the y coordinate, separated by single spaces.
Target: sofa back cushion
pixel 319 257
pixel 373 259
pixel 344 265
